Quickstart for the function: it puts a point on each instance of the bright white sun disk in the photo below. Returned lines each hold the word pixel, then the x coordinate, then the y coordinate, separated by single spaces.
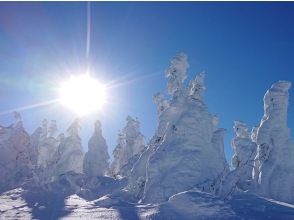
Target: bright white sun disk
pixel 82 94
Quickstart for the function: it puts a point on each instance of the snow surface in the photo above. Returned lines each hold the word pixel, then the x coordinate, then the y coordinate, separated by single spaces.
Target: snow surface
pixel 188 205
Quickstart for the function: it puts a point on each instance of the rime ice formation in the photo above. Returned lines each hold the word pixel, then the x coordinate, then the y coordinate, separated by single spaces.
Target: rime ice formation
pixel 176 158
pixel 69 152
pixel 34 145
pixel 244 148
pixel 52 129
pixel 245 152
pixel 96 159
pixel 131 144
pixel 177 73
pixel 197 87
pixel 274 164
pixel 18 122
pixel 119 154
pixel 44 128
pixel 240 178
pixel 15 155
pixel 160 102
pixel 47 145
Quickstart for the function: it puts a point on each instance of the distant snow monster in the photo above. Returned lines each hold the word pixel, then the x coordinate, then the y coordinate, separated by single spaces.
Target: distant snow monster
pixel 131 144
pixel 96 159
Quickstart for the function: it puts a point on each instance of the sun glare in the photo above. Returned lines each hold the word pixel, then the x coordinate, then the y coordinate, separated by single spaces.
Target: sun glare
pixel 82 94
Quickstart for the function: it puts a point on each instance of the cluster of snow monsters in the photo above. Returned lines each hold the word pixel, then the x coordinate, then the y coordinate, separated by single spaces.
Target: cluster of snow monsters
pixel 185 153
pixel 45 156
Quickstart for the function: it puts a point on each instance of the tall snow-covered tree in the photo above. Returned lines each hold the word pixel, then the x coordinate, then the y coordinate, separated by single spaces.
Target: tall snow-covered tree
pixel 15 155
pixel 70 152
pixel 187 138
pixel 274 164
pixel 96 159
pixel 131 142
pixel 187 134
pixel 244 149
pixel 47 145
pixel 239 179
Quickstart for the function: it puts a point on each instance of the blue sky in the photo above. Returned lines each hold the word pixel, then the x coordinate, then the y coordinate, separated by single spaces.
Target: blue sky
pixel 243 47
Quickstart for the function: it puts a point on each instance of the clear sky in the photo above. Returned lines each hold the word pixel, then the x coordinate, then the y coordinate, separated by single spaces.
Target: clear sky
pixel 243 47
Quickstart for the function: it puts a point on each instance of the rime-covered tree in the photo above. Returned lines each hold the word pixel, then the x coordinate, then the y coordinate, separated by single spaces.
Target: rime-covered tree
pixel 16 155
pixel 274 164
pixel 175 160
pixel 239 179
pixel 130 143
pixel 96 159
pixel 70 152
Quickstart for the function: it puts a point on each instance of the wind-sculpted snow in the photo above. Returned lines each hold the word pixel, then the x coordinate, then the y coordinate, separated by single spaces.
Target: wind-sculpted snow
pixel 96 159
pixel 274 164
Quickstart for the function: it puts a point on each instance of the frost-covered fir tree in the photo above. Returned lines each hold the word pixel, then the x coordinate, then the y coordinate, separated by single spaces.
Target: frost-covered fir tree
pixel 274 164
pixel 244 149
pixel 16 155
pixel 47 145
pixel 130 145
pixel 239 179
pixel 176 158
pixel 34 143
pixel 96 159
pixel 70 153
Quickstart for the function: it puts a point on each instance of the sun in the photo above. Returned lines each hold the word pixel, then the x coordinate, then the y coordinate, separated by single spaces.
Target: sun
pixel 82 94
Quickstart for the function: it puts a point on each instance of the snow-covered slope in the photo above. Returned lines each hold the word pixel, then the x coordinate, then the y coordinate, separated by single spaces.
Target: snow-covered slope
pixel 188 205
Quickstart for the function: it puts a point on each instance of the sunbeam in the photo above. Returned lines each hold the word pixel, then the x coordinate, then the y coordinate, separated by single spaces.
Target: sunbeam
pixel 29 107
